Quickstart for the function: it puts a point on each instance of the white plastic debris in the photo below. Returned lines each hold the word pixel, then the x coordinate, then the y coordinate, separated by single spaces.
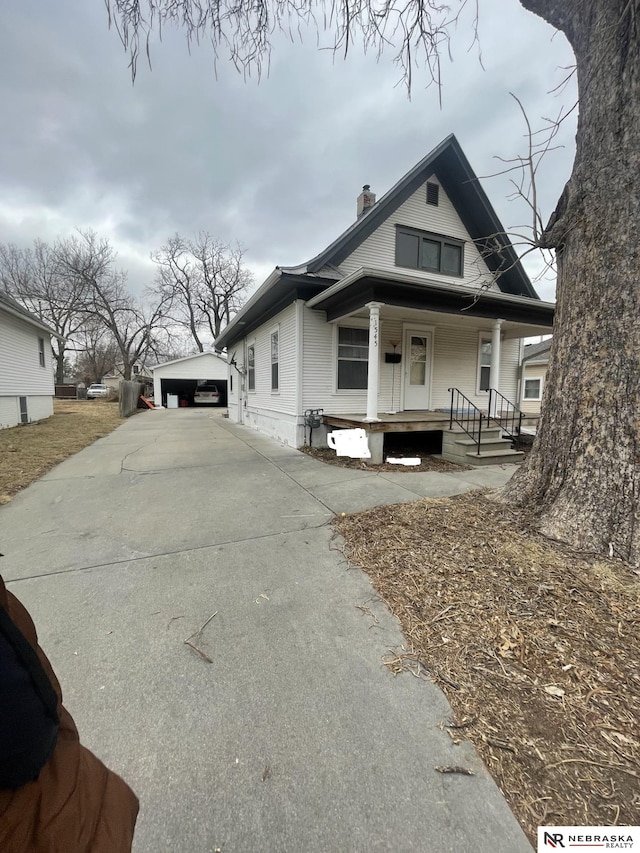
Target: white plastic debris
pixel 409 460
pixel 349 442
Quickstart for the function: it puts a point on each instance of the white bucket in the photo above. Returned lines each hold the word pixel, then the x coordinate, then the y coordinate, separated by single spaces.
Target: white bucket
pixel 349 442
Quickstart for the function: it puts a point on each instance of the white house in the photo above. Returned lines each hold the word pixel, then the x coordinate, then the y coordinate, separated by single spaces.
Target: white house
pixel 181 376
pixel 535 361
pixel 26 368
pixel 423 294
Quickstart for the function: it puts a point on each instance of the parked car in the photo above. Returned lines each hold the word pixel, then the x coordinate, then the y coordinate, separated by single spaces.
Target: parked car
pixel 207 394
pixel 97 390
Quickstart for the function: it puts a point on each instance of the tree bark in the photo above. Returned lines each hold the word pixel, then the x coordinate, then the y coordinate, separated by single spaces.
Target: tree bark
pixel 582 476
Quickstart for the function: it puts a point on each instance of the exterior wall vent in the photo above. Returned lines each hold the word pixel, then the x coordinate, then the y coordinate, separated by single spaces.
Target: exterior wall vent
pixel 433 193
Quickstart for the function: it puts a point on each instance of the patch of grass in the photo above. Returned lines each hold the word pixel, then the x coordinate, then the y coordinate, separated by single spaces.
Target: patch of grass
pixel 27 452
pixel 535 646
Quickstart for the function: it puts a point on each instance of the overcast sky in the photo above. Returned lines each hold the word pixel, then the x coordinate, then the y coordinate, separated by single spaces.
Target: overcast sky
pixel 275 163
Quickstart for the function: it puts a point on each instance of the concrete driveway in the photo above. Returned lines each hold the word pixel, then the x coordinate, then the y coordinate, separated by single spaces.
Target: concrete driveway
pixel 295 738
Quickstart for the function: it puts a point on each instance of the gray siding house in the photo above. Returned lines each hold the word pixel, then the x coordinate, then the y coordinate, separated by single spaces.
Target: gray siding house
pixel 422 294
pixel 26 369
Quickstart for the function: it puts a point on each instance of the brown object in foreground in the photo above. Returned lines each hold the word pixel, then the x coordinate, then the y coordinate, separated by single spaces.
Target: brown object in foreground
pixel 76 805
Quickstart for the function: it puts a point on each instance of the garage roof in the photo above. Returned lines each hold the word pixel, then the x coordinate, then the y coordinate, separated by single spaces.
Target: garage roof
pixel 189 358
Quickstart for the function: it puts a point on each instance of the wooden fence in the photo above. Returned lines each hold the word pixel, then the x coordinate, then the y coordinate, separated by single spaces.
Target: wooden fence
pixel 129 393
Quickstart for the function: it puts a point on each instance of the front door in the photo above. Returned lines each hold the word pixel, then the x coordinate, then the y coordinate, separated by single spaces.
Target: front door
pixel 417 369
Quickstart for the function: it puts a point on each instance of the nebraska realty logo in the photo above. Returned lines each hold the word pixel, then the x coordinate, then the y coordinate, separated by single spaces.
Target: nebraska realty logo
pixel 588 838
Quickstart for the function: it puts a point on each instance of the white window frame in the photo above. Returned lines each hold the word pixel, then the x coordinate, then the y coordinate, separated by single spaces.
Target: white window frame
pixel 251 345
pixel 274 331
pixel 537 399
pixel 41 352
pixel 483 338
pixel 348 323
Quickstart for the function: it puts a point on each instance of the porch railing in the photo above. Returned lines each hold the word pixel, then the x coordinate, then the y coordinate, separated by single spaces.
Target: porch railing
pixel 466 415
pixel 504 413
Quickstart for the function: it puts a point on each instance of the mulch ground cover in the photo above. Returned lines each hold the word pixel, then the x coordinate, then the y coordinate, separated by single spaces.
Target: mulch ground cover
pixel 27 452
pixel 536 647
pixel 428 462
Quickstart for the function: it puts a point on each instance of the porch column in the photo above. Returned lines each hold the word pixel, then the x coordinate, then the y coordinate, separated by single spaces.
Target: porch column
pixel 494 371
pixel 374 361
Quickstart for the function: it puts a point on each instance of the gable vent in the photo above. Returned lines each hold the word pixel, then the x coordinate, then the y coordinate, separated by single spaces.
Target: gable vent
pixel 433 193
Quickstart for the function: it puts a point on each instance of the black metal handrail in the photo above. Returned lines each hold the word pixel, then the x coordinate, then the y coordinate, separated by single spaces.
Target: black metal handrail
pixel 505 414
pixel 466 415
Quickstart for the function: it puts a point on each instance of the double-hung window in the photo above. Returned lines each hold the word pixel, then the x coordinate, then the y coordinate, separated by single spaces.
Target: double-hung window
pixel 353 358
pixel 41 352
pixel 532 389
pixel 484 364
pixel 275 357
pixel 420 250
pixel 251 367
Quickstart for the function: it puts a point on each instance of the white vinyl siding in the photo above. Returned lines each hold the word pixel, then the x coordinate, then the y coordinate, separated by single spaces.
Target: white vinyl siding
pixel 20 370
pixel 262 397
pixel 21 373
pixel 455 364
pixel 203 366
pixel 379 249
pixel 533 372
pixel 38 408
pixel 206 365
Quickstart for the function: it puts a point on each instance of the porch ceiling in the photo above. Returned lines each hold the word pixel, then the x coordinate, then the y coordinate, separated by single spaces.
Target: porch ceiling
pixel 510 329
pixel 416 299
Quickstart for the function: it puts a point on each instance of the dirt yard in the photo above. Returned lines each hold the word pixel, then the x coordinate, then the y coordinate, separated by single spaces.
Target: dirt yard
pixel 535 646
pixel 27 452
pixel 428 462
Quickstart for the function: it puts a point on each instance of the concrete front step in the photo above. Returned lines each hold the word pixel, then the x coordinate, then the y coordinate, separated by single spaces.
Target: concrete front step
pixel 494 457
pixel 489 432
pixel 497 443
pixel 458 447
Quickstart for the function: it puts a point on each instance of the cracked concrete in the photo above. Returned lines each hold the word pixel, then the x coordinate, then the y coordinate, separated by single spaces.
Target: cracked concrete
pixel 296 738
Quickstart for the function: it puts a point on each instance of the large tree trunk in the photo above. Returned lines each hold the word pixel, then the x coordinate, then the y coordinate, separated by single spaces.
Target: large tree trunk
pixel 583 474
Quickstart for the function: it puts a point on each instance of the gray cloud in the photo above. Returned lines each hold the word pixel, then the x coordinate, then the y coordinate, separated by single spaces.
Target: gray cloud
pixel 275 163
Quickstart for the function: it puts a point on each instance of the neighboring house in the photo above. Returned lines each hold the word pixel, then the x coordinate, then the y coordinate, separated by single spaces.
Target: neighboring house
pixel 423 293
pixel 535 361
pixel 181 376
pixel 138 371
pixel 26 366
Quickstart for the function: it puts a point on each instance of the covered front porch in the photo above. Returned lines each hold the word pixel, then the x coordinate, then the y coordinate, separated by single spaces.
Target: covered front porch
pixel 420 340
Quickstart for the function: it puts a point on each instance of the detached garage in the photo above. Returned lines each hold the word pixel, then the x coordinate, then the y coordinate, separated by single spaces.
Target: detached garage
pixel 182 376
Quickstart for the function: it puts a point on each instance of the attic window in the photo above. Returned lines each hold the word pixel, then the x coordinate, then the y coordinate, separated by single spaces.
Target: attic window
pixel 424 251
pixel 433 193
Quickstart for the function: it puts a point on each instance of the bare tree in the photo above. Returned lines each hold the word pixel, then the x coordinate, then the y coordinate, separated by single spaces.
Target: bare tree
pixel 583 474
pixel 98 353
pixel 108 302
pixel 35 279
pixel 204 281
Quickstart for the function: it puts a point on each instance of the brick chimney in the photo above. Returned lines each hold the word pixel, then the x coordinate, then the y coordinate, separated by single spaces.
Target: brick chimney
pixel 366 200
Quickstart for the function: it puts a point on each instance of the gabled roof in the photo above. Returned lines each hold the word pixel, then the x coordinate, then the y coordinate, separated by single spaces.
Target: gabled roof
pixel 458 180
pixel 537 352
pixel 12 307
pixel 188 358
pixel 448 163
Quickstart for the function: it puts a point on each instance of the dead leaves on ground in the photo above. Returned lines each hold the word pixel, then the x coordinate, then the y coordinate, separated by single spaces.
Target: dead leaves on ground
pixel 535 646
